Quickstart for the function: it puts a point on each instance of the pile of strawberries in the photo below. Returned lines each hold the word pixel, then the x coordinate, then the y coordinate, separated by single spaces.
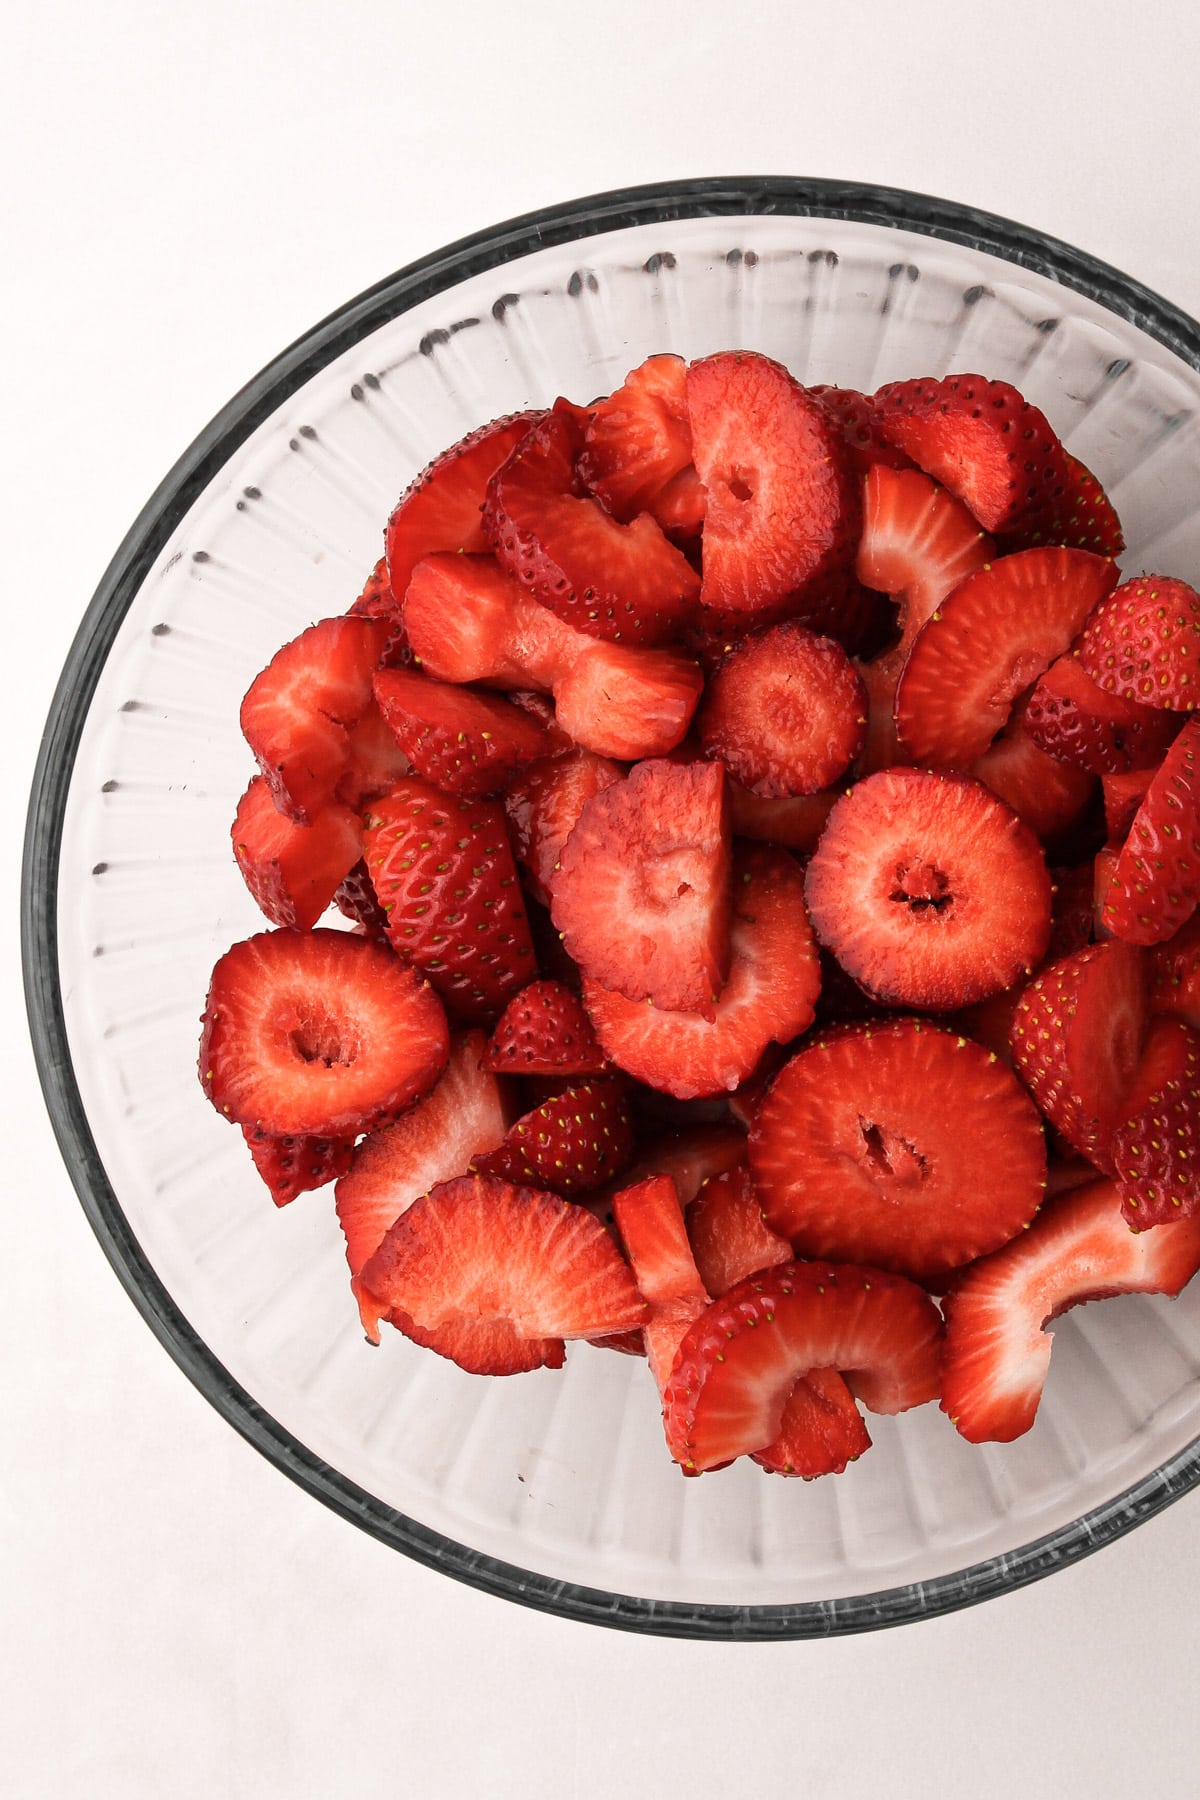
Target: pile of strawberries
pixel 771 833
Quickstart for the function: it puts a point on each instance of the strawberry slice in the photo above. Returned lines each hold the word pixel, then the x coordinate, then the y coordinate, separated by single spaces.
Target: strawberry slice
pixel 1144 643
pixel 639 441
pixel 1078 1248
pixel 573 1142
pixel 642 891
pixel 785 712
pixel 1070 718
pixel 781 510
pixel 544 1031
pixel 981 439
pixel 989 641
pixel 469 620
pixel 377 601
pixel 1175 975
pixel 1080 517
pixel 481 1346
pixel 298 713
pixel 318 1034
pixel 443 871
pixel 463 1116
pixel 928 890
pixel 821 1431
pixel 441 510
pixel 543 807
pixel 741 1359
pixel 465 743
pixel 769 996
pixel 1155 882
pixel 854 416
pixel 650 1220
pixel 293 871
pixel 605 579
pixel 1050 796
pixel 794 822
pixel 880 678
pixel 1123 795
pixel 1077 1038
pixel 918 543
pixel 899 1145
pixel 628 703
pixel 1156 1145
pixel 729 1236
pixel 292 1165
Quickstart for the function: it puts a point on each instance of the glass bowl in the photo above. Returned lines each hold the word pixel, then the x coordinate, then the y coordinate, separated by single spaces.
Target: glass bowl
pixel 553 1488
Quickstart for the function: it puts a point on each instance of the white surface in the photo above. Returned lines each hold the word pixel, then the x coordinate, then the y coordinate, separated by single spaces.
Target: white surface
pixel 188 187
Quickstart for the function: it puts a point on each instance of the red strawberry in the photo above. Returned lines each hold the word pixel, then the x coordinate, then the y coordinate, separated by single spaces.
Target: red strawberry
pixel 1144 643
pixel 638 441
pixel 880 678
pixel 628 703
pixel 821 1431
pixel 1105 880
pixel 1078 1248
pixel 650 1220
pixel 785 712
pixel 1050 796
pixel 1156 1143
pixel 1175 975
pixel 573 1142
pixel 837 605
pixel 1156 880
pixel 690 1157
pixel 769 997
pixel 374 761
pixel 296 1165
pixel 356 898
pixel 794 822
pixel 481 1346
pixel 987 643
pixel 318 1034
pixel 1080 517
pixel 293 871
pixel 729 1236
pixel 607 580
pixel 982 440
pixel 918 543
pixel 545 1031
pixel 1123 795
pixel 543 807
pixel 464 742
pixel 854 416
pixel 1071 927
pixel 781 510
pixel 1070 718
pixel 468 620
pixel 462 1117
pixel 538 708
pixel 642 890
pixel 899 1145
pixel 441 510
pixel 298 713
pixel 444 874
pixel 377 601
pixel 1077 1039
pixel 740 1360
pixel 928 890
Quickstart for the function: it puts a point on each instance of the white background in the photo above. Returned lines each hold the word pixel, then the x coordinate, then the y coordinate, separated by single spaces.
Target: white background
pixel 187 186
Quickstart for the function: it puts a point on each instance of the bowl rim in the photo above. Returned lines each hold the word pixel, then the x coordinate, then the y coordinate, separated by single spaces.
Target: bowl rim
pixel 580 219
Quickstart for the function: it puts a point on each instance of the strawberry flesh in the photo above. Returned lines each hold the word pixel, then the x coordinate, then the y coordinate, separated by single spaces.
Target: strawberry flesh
pixel 1050 796
pixel 543 807
pixel 918 543
pixel 638 442
pixel 785 712
pixel 293 871
pixel 855 417
pixel 729 1236
pixel 821 1431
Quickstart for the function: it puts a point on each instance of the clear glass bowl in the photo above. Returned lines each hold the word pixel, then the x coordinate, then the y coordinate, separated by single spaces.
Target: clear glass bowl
pixel 552 1488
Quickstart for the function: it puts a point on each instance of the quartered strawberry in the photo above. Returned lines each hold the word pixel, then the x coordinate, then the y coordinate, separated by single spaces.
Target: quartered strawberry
pixel 624 583
pixel 794 822
pixel 781 509
pixel 1156 1143
pixel 729 1236
pixel 1077 1039
pixel 573 1142
pixel 1144 643
pixel 854 416
pixel 293 871
pixel 1078 1248
pixel 544 1031
pixel 785 712
pixel 996 633
pixel 1175 975
pixel 768 998
pixel 649 1219
pixel 821 1431
pixel 628 703
pixel 443 871
pixel 292 1165
pixel 741 1359
pixel 464 742
pixel 928 890
pixel 918 543
pixel 1050 796
pixel 298 713
pixel 642 891
pixel 1155 883
pixel 899 1145
pixel 638 442
pixel 318 1034
pixel 1080 517
pixel 981 439
pixel 1123 795
pixel 1070 718
pixel 543 806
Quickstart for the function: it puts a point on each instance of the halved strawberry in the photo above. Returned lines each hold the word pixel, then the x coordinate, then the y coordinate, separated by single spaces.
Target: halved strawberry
pixel 1156 1143
pixel 781 509
pixel 1144 643
pixel 1050 796
pixel 545 1031
pixel 318 1034
pixel 990 640
pixel 543 806
pixel 899 1145
pixel 292 1165
pixel 1078 1248
pixel 607 580
pixel 466 743
pixel 573 1142
pixel 918 543
pixel 1156 879
pixel 821 1431
pixel 729 1236
pixel 638 441
pixel 855 418
pixel 627 703
pixel 1072 719
pixel 293 871
pixel 444 874
pixel 794 822
pixel 928 890
pixel 1175 975
pixel 469 620
pixel 1080 517
pixel 982 440
pixel 642 891
pixel 739 1362
pixel 785 712
pixel 769 996
pixel 650 1220
pixel 1123 795
pixel 1077 1038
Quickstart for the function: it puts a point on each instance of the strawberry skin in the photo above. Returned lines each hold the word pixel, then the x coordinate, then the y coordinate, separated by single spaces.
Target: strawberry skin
pixel 1050 796
pixel 296 1165
pixel 293 871
pixel 1156 1145
pixel 1155 883
pixel 785 712
pixel 543 807
pixel 854 416
pixel 1175 975
pixel 1144 643
pixel 1080 517
pixel 729 1236
pixel 1070 718
pixel 544 1031
pixel 465 743
pixel 573 1142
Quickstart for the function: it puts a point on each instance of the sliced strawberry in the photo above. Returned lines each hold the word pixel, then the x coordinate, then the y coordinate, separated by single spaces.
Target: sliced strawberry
pixel 989 641
pixel 469 620
pixel 899 1145
pixel 781 510
pixel 1050 796
pixel 639 439
pixel 1123 795
pixel 982 440
pixel 768 998
pixel 293 1165
pixel 444 874
pixel 356 898
pixel 1156 879
pixel 441 510
pixel 821 1431
pixel 918 543
pixel 298 713
pixel 627 703
pixel 573 1142
pixel 1144 643
pixel 928 890
pixel 729 1236
pixel 1078 1248
pixel 739 1362
pixel 785 712
pixel 293 871
pixel 642 891
pixel 854 416
pixel 1175 975
pixel 374 762
pixel 650 1220
pixel 1077 1038
pixel 482 1346
pixel 1080 517
pixel 545 1031
pixel 624 583
pixel 465 743
pixel 793 823
pixel 1156 1143
pixel 318 1034
pixel 543 807
pixel 1105 881
pixel 1072 719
